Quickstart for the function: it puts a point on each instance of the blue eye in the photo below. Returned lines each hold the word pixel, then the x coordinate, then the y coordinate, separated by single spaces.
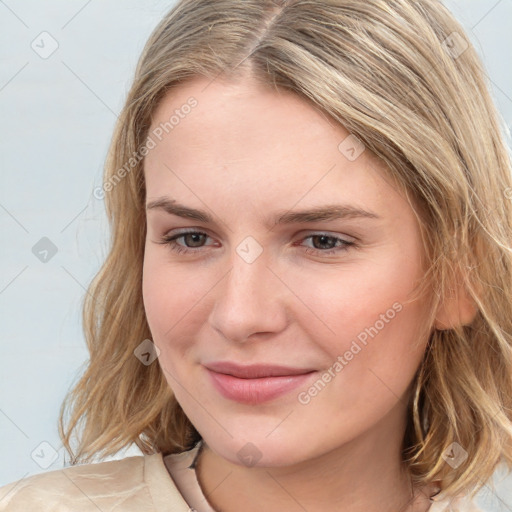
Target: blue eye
pixel 323 244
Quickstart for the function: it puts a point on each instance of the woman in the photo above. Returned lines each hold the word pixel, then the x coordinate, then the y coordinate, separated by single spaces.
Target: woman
pixel 307 302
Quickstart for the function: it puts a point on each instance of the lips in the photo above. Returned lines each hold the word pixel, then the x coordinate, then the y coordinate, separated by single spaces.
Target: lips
pixel 255 383
pixel 255 371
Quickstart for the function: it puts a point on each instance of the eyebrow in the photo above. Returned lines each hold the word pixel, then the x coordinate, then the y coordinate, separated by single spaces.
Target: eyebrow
pixel 320 213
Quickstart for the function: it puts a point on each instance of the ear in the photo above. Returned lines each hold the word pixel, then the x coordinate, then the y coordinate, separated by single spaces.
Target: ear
pixel 455 308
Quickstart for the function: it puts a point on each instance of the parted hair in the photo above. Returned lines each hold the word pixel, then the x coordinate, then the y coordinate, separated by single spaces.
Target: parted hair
pixel 403 78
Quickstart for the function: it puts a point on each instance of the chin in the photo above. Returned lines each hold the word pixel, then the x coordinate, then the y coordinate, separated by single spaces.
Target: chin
pixel 258 450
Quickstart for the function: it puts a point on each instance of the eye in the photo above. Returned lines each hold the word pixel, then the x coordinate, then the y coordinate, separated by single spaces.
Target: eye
pixel 325 245
pixel 322 244
pixel 193 240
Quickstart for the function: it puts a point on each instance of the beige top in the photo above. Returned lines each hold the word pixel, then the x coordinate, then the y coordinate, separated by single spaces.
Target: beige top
pixel 133 484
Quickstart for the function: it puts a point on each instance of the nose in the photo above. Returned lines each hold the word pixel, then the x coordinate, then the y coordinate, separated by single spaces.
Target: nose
pixel 249 300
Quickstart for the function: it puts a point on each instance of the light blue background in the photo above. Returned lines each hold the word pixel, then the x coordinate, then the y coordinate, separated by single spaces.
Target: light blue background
pixel 57 119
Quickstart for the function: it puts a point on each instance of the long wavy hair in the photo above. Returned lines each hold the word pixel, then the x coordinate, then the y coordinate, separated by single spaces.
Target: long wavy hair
pixel 403 78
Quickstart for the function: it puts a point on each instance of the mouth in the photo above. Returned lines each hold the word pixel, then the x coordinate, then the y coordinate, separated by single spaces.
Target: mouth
pixel 256 383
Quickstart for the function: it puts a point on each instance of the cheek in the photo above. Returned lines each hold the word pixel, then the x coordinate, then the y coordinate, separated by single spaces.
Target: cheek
pixel 376 335
pixel 173 301
pixel 370 305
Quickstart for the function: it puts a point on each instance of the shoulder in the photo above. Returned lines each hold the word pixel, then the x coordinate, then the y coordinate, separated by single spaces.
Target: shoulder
pixel 128 484
pixel 87 487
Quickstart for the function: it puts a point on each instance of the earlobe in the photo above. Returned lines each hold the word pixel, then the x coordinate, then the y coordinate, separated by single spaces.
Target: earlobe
pixel 455 309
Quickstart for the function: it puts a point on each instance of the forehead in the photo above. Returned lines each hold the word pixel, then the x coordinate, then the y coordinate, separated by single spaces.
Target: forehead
pixel 256 148
pixel 233 113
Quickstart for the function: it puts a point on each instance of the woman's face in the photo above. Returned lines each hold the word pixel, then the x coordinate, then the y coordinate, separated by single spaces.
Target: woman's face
pixel 283 334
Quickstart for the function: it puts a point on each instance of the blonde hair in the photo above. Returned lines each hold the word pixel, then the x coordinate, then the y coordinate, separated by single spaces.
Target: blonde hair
pixel 404 79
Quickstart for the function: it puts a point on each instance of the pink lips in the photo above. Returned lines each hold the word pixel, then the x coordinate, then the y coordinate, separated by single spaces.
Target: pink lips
pixel 256 383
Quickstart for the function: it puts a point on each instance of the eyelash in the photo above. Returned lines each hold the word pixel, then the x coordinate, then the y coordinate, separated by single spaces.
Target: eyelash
pixel 170 240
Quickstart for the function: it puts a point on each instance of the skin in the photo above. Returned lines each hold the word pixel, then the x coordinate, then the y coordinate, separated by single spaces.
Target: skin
pixel 244 154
